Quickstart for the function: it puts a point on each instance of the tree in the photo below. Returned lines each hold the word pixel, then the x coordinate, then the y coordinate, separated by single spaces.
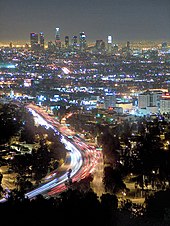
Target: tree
pixel 1 177
pixel 109 206
pixel 41 161
pixel 113 180
pixel 157 204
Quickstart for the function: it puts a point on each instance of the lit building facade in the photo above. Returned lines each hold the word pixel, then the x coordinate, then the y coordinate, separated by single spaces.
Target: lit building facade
pixel 41 35
pixel 34 40
pixel 149 102
pixel 109 43
pixel 74 42
pixel 100 46
pixel 57 38
pixel 83 42
pixel 66 42
pixel 165 104
pixel 109 100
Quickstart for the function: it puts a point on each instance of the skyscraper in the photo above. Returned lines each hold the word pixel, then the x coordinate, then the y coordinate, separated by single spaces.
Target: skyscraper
pixel 57 38
pixel 74 42
pixel 83 43
pixel 34 40
pixel 67 41
pixel 128 45
pixel 115 48
pixel 164 46
pixel 100 46
pixel 41 35
pixel 128 49
pixel 51 46
pixel 109 43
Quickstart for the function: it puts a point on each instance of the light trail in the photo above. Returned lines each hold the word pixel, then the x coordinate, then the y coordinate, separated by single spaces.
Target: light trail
pixel 84 158
pixel 75 156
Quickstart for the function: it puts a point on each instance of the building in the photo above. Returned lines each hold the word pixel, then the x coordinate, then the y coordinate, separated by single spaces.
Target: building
pixel 57 39
pixel 66 42
pixel 109 100
pixel 125 106
pixel 128 49
pixel 10 45
pixel 149 102
pixel 74 42
pixel 83 42
pixel 164 46
pixel 115 49
pixel 100 46
pixel 165 104
pixel 109 44
pixel 34 41
pixel 51 46
pixel 41 35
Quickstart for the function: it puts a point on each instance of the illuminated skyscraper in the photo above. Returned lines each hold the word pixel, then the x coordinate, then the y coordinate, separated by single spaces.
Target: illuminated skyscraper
pixel 74 42
pixel 128 45
pixel 41 35
pixel 128 51
pixel 57 38
pixel 164 46
pixel 67 41
pixel 10 45
pixel 115 48
pixel 34 40
pixel 83 43
pixel 109 43
pixel 100 46
pixel 51 46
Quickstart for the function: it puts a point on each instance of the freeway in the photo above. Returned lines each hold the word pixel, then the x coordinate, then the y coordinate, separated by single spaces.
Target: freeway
pixel 83 157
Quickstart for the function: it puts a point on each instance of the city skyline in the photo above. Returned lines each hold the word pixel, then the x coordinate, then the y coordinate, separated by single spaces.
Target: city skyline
pixel 123 20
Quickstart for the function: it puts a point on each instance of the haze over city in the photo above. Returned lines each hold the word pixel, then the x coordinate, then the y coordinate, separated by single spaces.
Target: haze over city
pixel 123 19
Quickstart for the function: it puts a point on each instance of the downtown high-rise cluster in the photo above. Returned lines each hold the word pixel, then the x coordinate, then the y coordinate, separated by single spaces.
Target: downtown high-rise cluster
pixel 76 42
pixel 37 41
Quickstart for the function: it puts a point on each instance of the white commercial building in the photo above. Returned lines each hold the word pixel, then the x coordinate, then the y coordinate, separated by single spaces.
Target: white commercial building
pixel 109 100
pixel 165 104
pixel 149 102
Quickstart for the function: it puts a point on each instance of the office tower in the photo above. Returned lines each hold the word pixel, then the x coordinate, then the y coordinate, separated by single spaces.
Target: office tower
pixel 57 38
pixel 51 46
pixel 74 42
pixel 41 35
pixel 149 101
pixel 26 46
pixel 10 45
pixel 164 46
pixel 100 46
pixel 66 42
pixel 109 100
pixel 34 41
pixel 82 39
pixel 109 43
pixel 115 48
pixel 128 45
pixel 128 50
pixel 103 46
pixel 165 104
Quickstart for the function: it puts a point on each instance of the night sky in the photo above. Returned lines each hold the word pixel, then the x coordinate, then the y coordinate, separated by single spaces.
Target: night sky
pixel 123 19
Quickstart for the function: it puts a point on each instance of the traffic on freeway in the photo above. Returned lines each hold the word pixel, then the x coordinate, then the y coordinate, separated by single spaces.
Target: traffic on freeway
pixel 81 158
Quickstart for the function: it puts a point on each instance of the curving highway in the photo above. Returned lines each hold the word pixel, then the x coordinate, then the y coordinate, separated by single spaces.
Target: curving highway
pixel 83 158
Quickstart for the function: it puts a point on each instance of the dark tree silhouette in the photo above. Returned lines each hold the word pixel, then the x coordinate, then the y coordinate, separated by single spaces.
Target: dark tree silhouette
pixel 157 204
pixel 113 180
